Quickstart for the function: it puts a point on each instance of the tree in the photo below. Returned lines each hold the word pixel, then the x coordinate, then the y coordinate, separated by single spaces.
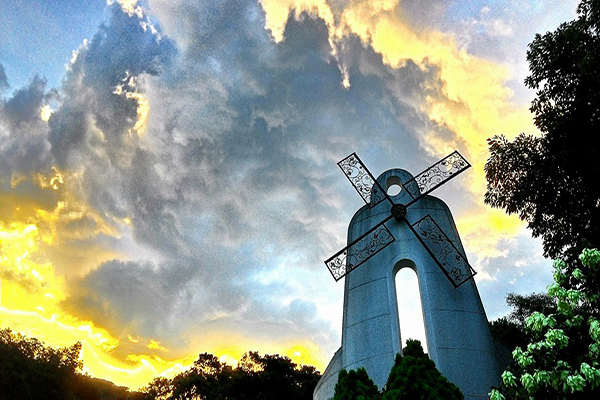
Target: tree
pixel 256 377
pixel 31 370
pixel 510 330
pixel 414 376
pixel 550 181
pixel 355 385
pixel 562 359
pixel 277 377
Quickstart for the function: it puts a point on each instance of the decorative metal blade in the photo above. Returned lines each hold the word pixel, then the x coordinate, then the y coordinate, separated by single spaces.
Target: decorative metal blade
pixel 436 175
pixel 362 180
pixel 442 250
pixel 360 250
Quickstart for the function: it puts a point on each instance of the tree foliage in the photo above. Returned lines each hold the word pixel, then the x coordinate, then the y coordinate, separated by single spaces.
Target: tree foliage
pixel 510 330
pixel 268 377
pixel 414 376
pixel 562 358
pixel 355 385
pixel 550 181
pixel 31 370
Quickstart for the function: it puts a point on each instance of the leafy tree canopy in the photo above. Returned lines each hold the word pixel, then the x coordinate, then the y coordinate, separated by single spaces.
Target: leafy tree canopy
pixel 256 377
pixel 550 181
pixel 414 376
pixel 31 370
pixel 562 357
pixel 510 330
pixel 355 385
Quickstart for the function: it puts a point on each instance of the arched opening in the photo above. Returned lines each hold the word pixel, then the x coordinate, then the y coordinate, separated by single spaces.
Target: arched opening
pixel 394 190
pixel 393 185
pixel 410 311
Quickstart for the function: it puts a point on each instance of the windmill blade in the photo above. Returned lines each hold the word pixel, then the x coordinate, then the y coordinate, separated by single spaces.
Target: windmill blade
pixel 450 260
pixel 436 175
pixel 362 180
pixel 360 250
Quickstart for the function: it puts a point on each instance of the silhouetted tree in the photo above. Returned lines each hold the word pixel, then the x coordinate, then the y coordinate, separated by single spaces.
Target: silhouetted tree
pixel 30 370
pixel 551 181
pixel 510 330
pixel 160 388
pixel 256 377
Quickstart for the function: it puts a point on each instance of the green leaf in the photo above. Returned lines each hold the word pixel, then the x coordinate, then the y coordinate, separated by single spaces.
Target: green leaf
pixel 576 383
pixel 496 395
pixel 542 378
pixel 509 379
pixel 590 257
pixel 528 382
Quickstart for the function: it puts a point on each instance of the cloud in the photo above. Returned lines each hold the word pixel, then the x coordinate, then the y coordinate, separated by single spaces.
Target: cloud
pixel 464 99
pixel 24 146
pixel 96 118
pixel 25 104
pixel 184 189
pixel 235 175
pixel 3 79
pixel 521 269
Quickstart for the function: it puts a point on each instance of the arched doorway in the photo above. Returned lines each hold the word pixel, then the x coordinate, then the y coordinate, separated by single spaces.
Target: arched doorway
pixel 410 309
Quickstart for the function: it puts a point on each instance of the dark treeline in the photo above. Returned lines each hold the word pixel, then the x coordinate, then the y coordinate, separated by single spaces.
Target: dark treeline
pixel 31 370
pixel 256 377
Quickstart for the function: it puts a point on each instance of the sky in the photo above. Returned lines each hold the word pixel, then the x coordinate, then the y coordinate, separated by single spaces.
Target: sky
pixel 168 177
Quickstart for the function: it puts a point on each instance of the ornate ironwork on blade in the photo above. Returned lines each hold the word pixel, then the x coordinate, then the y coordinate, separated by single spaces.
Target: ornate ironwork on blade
pixel 436 175
pixel 442 250
pixel 359 251
pixel 362 180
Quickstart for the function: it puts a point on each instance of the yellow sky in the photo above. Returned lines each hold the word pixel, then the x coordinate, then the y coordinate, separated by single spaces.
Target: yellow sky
pixel 31 293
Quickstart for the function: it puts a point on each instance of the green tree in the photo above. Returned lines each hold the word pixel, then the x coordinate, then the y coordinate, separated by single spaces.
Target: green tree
pixel 562 359
pixel 414 376
pixel 510 330
pixel 355 385
pixel 550 181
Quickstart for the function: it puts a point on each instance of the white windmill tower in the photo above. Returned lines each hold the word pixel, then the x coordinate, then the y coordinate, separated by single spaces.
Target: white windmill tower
pixel 414 230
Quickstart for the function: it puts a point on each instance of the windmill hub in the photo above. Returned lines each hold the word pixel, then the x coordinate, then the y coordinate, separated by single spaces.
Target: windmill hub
pixel 399 211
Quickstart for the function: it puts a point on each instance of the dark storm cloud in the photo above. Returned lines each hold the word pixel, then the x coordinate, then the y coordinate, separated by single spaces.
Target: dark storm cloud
pixel 121 49
pixel 24 148
pixel 131 297
pixel 3 79
pixel 244 137
pixel 235 176
pixel 25 104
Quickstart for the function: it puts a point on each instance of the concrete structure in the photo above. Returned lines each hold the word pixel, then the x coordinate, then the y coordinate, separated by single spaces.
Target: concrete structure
pixel 456 326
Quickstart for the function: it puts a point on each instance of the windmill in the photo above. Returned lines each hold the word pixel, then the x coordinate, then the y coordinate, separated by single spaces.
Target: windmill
pixel 445 254
pixel 409 230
